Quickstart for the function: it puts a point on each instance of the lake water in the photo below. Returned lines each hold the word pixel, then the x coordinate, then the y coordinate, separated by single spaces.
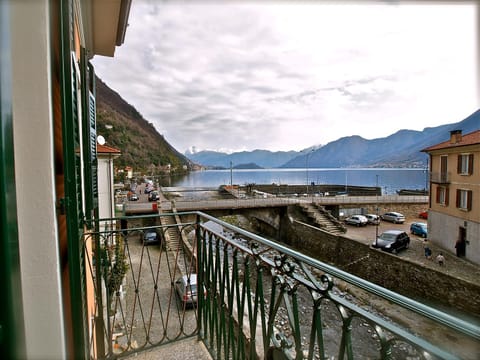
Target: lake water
pixel 390 180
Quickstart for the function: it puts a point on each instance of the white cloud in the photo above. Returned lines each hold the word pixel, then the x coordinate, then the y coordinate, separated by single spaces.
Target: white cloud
pixel 287 76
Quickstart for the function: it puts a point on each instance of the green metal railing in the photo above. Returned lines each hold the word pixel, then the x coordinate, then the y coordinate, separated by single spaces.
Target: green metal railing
pixel 260 300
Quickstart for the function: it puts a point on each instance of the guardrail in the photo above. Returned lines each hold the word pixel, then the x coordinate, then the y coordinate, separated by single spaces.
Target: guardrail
pixel 273 201
pixel 261 299
pixel 440 177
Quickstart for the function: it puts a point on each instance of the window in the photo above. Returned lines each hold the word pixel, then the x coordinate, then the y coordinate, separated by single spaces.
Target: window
pixel 465 164
pixel 442 195
pixel 443 169
pixel 464 199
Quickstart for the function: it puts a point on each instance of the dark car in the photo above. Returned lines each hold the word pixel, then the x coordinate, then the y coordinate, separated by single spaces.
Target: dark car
pixel 153 196
pixel 186 289
pixel 151 237
pixel 419 228
pixel 392 241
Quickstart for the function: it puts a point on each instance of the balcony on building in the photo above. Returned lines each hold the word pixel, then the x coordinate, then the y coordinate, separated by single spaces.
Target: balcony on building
pixel 440 177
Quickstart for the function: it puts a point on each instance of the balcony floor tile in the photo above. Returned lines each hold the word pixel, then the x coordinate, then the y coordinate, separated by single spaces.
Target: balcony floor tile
pixel 188 349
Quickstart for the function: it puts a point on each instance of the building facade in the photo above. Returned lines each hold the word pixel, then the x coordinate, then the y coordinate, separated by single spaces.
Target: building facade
pixel 48 189
pixel 454 214
pixel 106 197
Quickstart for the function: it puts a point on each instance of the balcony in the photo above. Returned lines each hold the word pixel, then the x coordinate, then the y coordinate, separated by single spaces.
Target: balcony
pixel 260 299
pixel 441 177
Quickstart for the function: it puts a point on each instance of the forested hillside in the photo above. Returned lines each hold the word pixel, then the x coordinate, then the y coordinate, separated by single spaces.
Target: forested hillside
pixel 124 128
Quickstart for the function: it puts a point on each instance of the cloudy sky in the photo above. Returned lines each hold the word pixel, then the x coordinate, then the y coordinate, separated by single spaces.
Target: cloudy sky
pixel 284 76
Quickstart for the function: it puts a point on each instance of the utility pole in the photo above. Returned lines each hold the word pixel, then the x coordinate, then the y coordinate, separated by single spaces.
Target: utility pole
pixel 427 169
pixel 376 210
pixel 231 175
pixel 306 165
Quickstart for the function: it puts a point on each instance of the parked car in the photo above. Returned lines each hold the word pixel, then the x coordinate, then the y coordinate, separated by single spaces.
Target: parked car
pixel 153 196
pixel 151 237
pixel 392 241
pixel 186 289
pixel 358 220
pixel 394 217
pixel 373 219
pixel 133 197
pixel 423 214
pixel 419 228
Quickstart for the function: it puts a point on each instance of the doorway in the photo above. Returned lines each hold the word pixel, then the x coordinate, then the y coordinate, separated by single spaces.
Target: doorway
pixel 460 246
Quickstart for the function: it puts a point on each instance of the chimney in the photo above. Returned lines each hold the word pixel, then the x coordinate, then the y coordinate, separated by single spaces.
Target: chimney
pixel 455 136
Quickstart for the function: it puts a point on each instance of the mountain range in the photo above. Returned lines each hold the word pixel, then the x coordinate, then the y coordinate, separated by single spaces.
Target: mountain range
pixel 401 149
pixel 143 148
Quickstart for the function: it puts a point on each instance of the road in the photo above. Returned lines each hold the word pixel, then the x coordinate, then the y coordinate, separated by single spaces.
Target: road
pixel 150 311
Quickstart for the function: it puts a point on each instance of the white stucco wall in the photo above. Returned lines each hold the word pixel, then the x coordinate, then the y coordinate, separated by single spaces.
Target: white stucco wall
pixel 105 186
pixel 443 230
pixel 33 142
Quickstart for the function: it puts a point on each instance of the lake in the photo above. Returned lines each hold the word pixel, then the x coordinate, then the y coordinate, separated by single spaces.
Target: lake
pixel 390 180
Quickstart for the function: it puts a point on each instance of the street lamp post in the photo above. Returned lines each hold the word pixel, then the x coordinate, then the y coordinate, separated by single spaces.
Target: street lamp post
pixel 427 190
pixel 376 210
pixel 306 166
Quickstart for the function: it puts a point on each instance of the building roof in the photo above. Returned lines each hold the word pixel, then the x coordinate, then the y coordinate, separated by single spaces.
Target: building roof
pixel 104 149
pixel 467 139
pixel 105 25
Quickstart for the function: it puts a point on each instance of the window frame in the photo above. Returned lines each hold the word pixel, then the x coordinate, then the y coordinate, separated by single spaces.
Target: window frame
pixel 464 199
pixel 465 164
pixel 442 200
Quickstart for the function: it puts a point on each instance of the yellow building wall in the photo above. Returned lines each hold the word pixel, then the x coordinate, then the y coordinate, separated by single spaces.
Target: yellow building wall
pixel 446 221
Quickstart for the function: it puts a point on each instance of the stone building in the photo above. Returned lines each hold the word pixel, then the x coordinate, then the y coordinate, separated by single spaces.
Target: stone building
pixel 454 214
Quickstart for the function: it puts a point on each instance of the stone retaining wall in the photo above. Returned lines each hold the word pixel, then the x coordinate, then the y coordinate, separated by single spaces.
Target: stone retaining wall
pixel 409 210
pixel 397 274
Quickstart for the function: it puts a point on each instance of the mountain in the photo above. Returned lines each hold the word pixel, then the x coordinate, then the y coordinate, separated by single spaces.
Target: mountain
pixel 256 158
pixel 402 149
pixel 124 128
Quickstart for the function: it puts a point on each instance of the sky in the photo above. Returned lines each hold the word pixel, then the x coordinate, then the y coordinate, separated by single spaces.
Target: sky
pixel 234 76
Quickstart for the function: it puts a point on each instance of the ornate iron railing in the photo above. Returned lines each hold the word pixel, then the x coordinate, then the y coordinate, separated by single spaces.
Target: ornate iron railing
pixel 440 177
pixel 260 299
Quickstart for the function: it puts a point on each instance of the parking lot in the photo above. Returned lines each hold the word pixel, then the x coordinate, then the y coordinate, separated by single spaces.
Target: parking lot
pixel 454 266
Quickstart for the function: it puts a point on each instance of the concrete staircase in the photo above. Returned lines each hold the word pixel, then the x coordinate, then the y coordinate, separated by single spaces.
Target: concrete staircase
pixel 322 219
pixel 172 236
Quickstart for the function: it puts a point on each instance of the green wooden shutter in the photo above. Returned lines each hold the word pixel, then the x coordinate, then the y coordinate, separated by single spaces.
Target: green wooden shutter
pixel 89 139
pixel 73 184
pixel 93 133
pixel 76 137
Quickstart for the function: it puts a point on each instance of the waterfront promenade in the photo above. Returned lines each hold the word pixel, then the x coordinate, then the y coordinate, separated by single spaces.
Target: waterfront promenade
pixel 190 205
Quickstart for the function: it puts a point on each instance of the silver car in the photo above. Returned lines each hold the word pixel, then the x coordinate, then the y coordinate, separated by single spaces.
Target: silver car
pixel 373 219
pixel 394 217
pixel 358 220
pixel 186 288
